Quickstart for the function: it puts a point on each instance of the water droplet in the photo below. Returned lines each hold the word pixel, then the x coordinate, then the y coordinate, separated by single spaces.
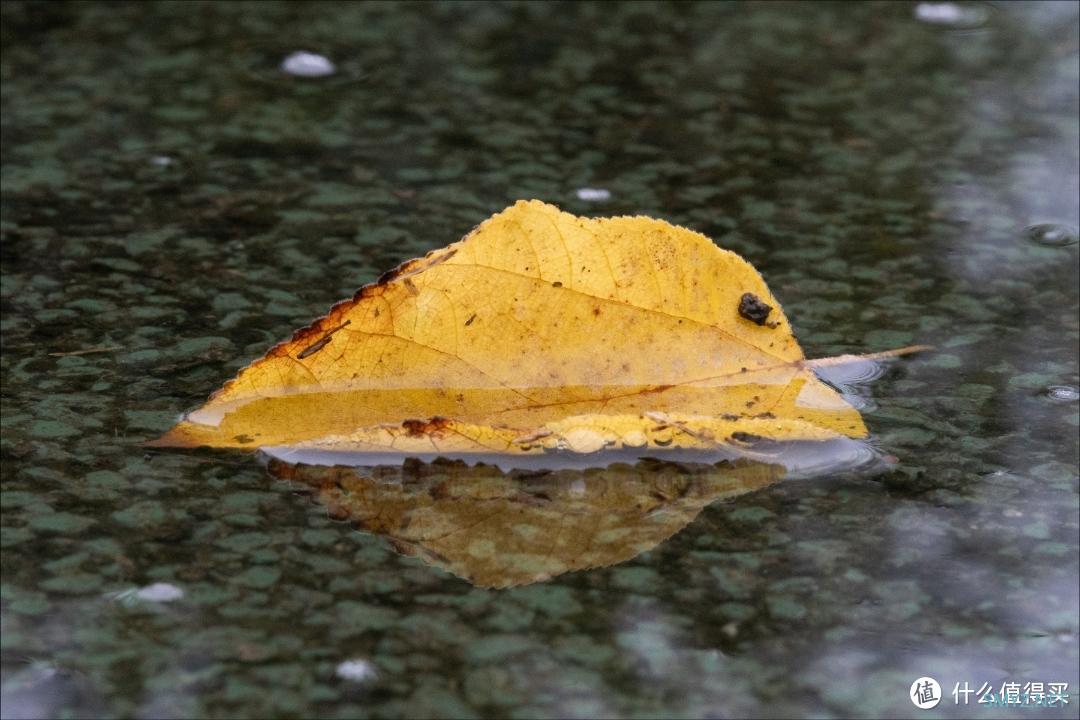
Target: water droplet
pixel 159 592
pixel 584 440
pixel 589 194
pixel 309 65
pixel 1051 234
pixel 959 16
pixel 357 670
pixel 1063 393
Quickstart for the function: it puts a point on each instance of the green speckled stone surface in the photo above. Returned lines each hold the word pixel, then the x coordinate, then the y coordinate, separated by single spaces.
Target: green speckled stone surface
pixel 175 201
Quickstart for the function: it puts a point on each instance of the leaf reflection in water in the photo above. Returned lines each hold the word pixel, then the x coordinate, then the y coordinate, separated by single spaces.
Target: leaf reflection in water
pixel 499 529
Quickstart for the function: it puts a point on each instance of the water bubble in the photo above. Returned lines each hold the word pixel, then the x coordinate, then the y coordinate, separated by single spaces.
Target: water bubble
pixel 1051 234
pixel 309 65
pixel 584 440
pixel 589 194
pixel 961 16
pixel 1063 393
pixel 154 593
pixel 357 670
pixel 159 592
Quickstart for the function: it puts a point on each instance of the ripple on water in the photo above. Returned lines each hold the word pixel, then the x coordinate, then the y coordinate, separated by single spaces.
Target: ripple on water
pixel 1063 393
pixel 809 459
pixel 851 379
pixel 1051 234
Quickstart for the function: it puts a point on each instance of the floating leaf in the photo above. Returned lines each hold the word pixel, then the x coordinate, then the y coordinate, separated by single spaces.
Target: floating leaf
pixel 539 331
pixel 498 529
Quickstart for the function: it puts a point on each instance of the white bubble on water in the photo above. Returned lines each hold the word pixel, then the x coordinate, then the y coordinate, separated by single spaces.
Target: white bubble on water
pixel 159 592
pixel 960 15
pixel 306 64
pixel 356 670
pixel 593 194
pixel 944 13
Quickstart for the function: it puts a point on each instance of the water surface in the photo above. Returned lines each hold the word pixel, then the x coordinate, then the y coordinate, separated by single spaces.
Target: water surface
pixel 174 202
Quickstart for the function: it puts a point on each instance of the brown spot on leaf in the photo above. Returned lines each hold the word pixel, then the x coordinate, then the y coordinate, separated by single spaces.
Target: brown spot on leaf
pixel 416 428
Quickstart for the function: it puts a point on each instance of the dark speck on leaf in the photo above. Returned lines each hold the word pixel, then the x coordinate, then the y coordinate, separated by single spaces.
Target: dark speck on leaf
pixel 314 348
pixel 753 309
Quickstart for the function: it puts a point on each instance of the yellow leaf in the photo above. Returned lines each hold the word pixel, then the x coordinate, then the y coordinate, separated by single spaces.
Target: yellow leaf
pixel 497 530
pixel 538 331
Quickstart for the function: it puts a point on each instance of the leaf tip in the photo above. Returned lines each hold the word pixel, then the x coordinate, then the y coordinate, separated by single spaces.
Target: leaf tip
pixel 187 434
pixel 170 438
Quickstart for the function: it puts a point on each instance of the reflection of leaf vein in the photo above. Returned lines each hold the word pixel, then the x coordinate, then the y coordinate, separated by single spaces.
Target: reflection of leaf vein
pixel 465 528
